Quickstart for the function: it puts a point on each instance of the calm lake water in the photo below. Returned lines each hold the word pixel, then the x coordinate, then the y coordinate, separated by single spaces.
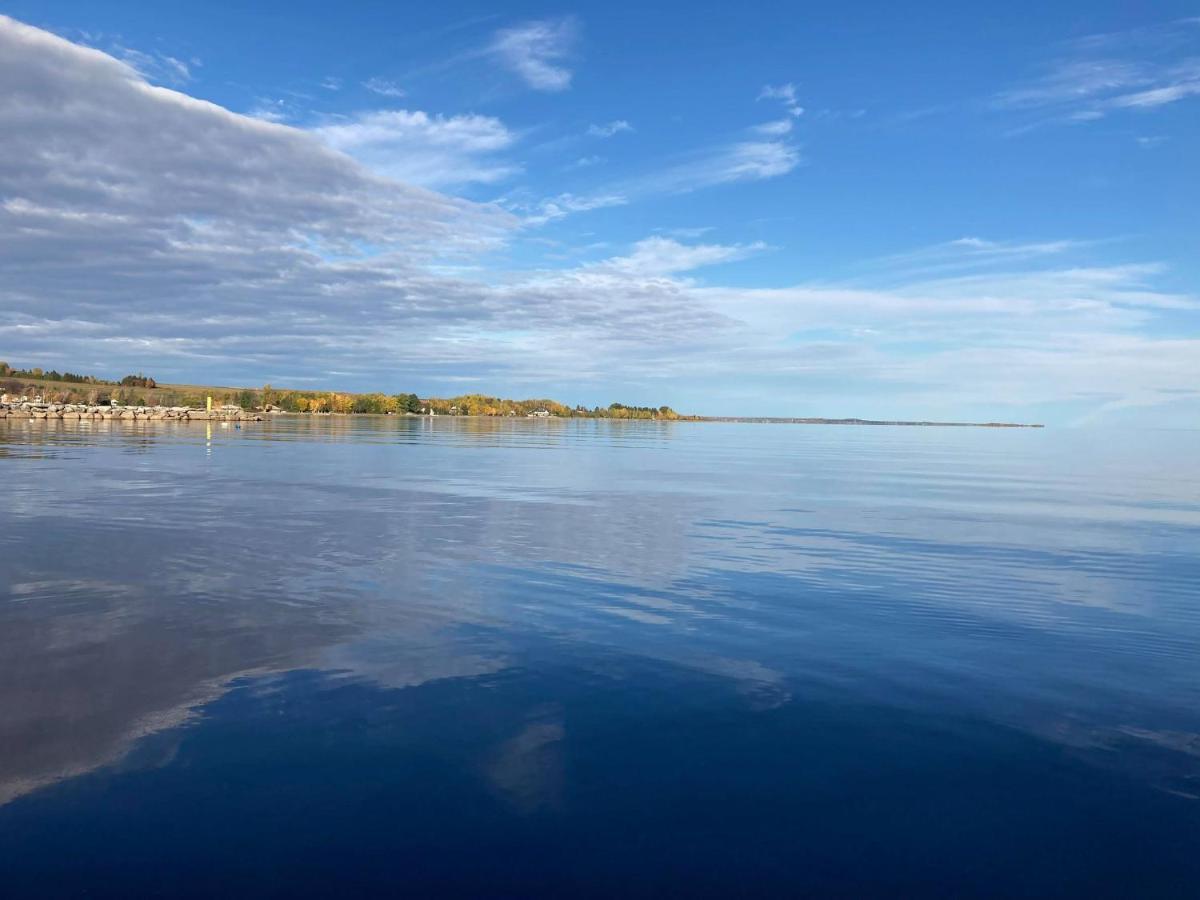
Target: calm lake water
pixel 522 658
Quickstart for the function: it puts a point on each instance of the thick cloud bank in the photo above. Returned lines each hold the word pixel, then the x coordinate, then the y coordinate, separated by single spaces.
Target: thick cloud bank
pixel 144 227
pixel 133 213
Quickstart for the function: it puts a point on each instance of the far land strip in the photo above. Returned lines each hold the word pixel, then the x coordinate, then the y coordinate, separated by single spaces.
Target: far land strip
pixel 48 394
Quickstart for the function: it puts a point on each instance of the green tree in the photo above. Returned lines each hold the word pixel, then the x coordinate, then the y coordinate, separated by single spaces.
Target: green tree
pixel 408 403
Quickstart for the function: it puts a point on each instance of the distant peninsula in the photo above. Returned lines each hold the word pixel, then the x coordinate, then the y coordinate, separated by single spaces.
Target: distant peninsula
pixel 810 420
pixel 52 386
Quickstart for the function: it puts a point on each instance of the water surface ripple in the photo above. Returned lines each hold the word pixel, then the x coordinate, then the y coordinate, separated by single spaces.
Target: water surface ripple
pixel 497 657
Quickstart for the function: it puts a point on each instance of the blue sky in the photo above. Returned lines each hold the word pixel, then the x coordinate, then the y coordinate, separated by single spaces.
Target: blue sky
pixel 875 210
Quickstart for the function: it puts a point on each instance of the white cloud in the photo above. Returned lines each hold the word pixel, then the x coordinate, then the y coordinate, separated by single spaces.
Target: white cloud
pixel 785 94
pixel 971 253
pixel 1103 74
pixel 609 129
pixel 156 231
pixel 536 51
pixel 156 66
pixel 331 83
pixel 565 204
pixel 753 160
pixel 775 128
pixel 1072 82
pixel 270 110
pixel 997 340
pixel 383 87
pixel 766 154
pixel 1159 96
pixel 142 221
pixel 656 256
pixel 433 151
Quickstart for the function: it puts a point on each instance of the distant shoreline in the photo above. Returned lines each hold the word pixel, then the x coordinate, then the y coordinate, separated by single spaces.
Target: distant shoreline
pixel 796 420
pixel 58 412
pixel 85 393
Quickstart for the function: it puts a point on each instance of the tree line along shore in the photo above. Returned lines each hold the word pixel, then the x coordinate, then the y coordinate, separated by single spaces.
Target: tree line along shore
pixel 143 392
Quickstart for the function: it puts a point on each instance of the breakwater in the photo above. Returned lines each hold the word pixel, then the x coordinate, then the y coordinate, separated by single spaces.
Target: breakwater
pixel 35 409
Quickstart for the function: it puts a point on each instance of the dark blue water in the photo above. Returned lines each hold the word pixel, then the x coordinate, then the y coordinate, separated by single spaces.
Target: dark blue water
pixel 494 658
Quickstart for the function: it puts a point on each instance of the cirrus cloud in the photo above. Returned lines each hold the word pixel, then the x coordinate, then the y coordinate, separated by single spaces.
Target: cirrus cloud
pixel 536 51
pixel 1102 74
pixel 432 151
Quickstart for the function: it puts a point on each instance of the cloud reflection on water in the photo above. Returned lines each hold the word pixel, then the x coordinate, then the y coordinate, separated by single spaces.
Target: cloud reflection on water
pixel 1002 574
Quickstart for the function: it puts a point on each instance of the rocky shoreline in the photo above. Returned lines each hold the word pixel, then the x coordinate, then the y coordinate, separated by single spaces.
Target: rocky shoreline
pixel 33 409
